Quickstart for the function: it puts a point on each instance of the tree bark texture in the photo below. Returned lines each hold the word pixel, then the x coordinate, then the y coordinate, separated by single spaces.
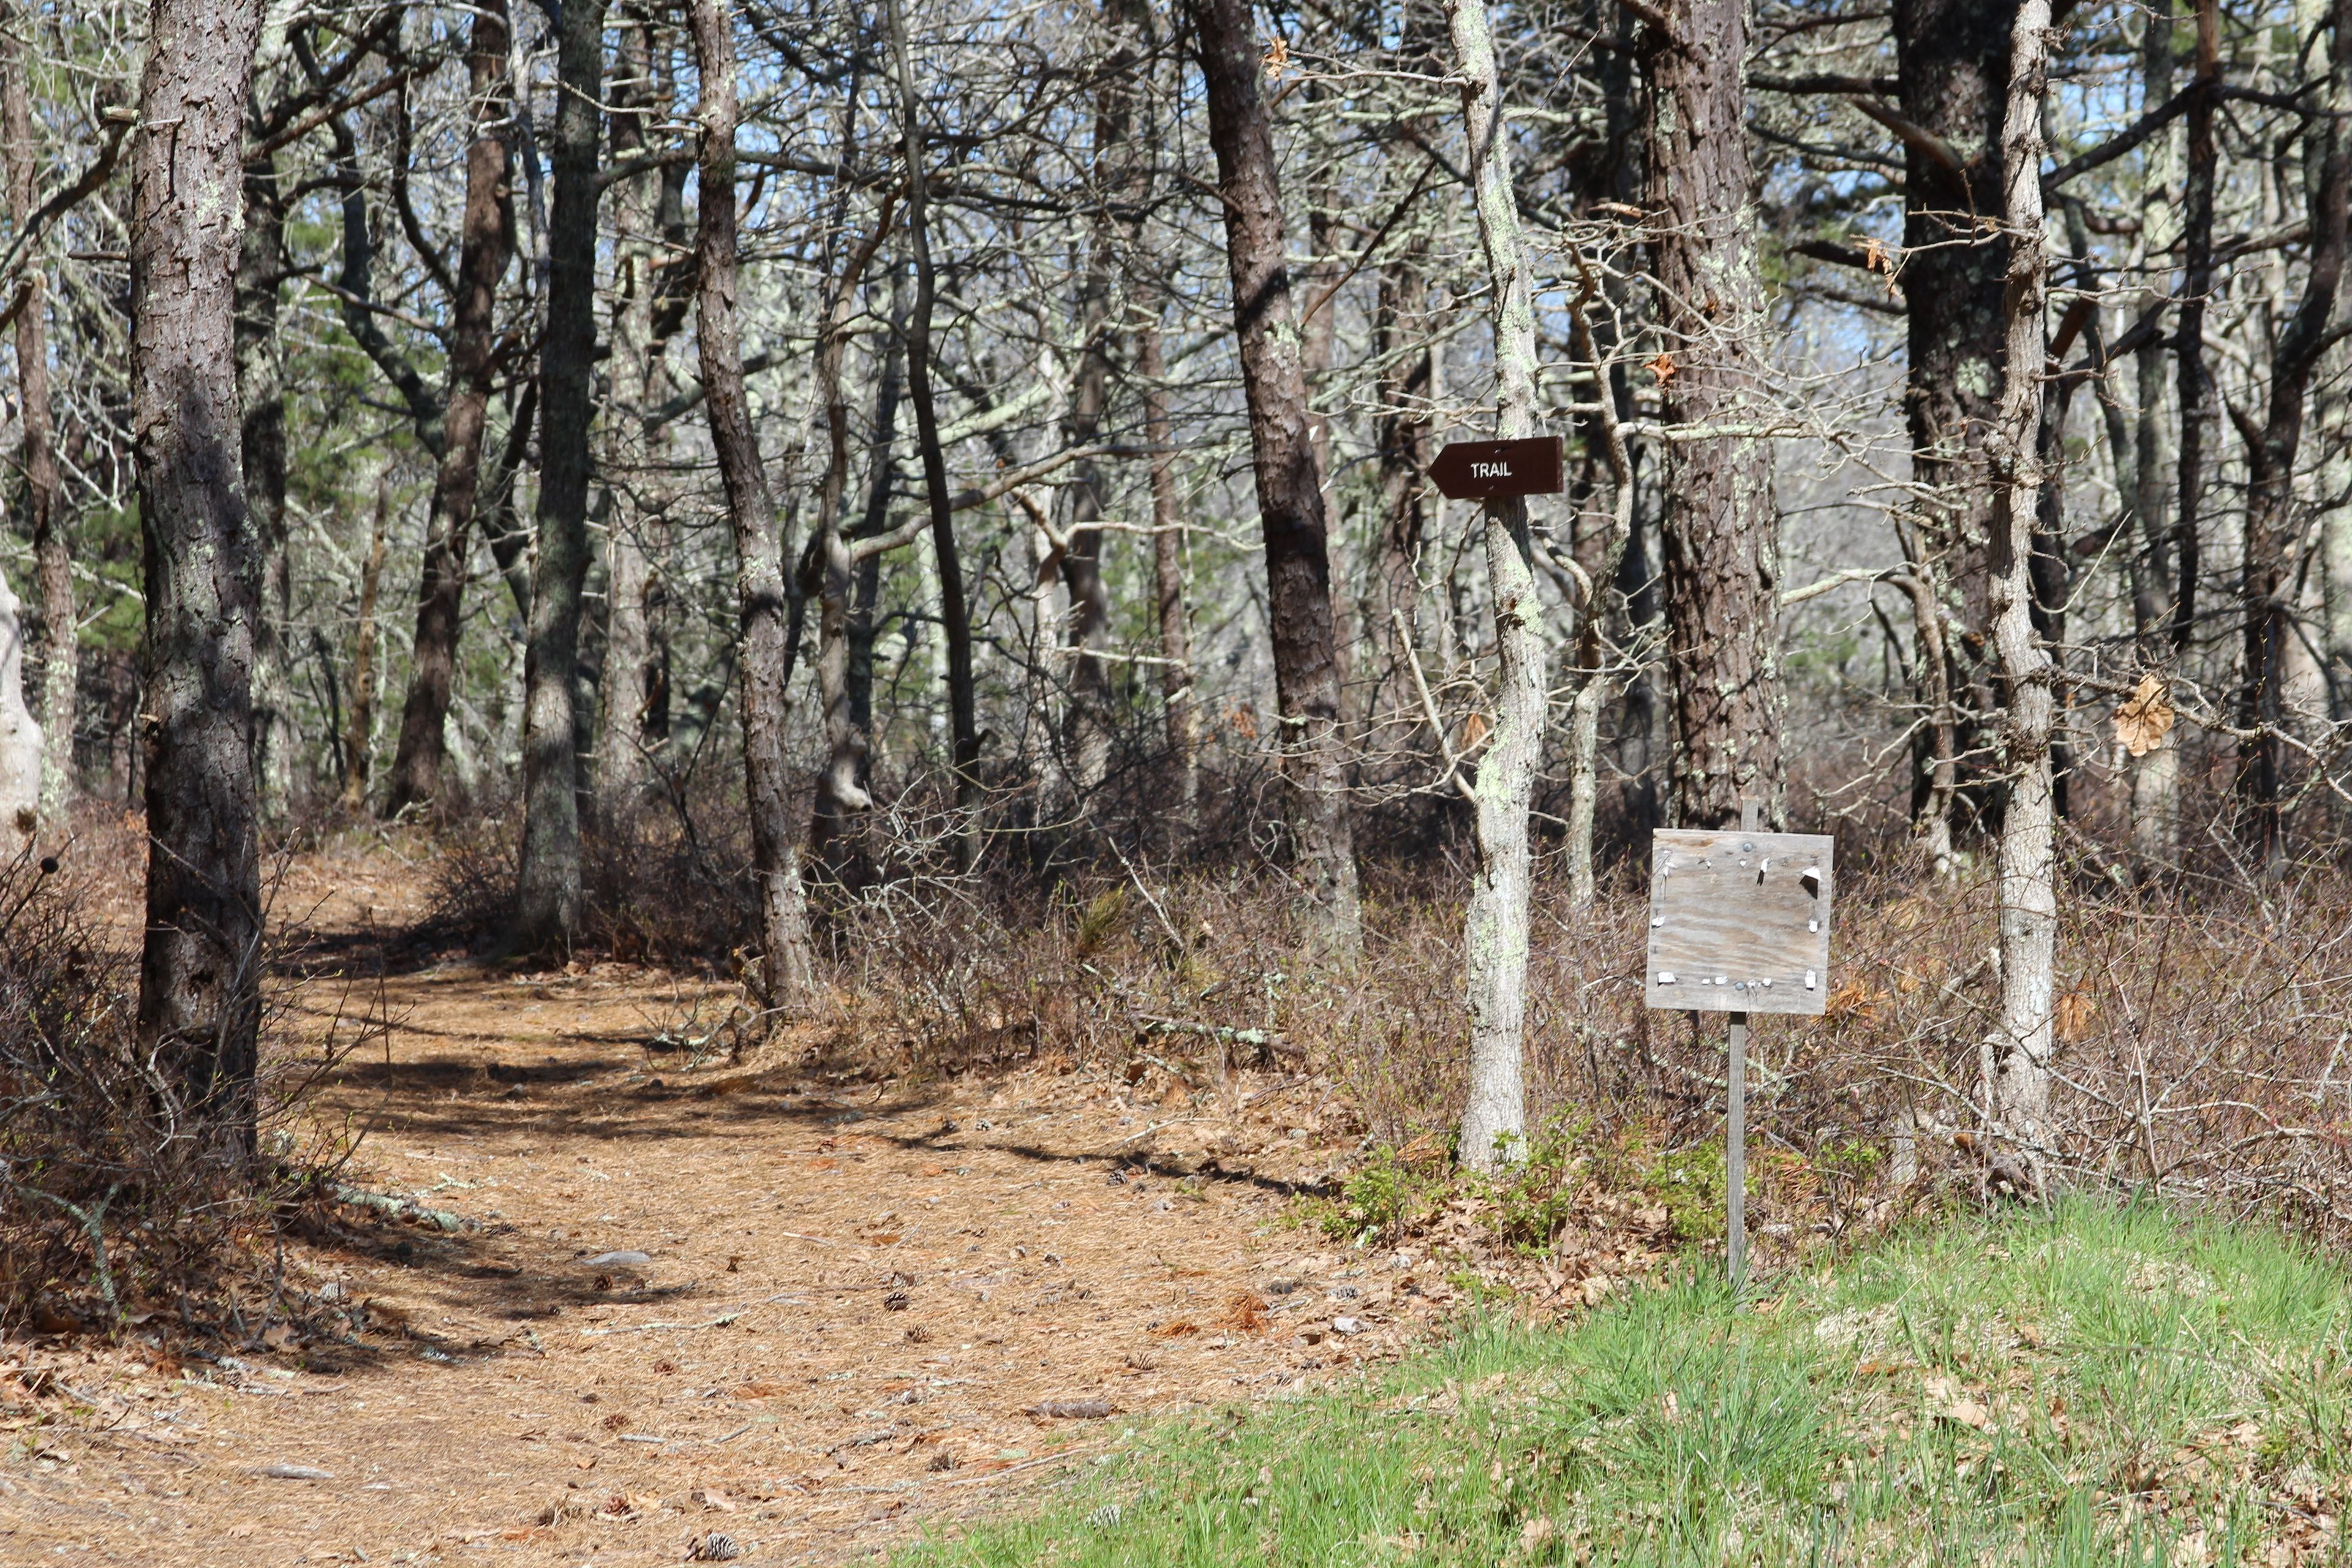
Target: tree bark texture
pixel 787 963
pixel 44 519
pixel 1495 939
pixel 547 883
pixel 200 966
pixel 1952 65
pixel 635 368
pixel 1721 532
pixel 485 247
pixel 2022 1036
pixel 1290 482
pixel 2196 393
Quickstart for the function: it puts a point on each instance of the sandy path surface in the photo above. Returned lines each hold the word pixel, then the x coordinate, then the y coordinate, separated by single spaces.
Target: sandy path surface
pixel 840 1308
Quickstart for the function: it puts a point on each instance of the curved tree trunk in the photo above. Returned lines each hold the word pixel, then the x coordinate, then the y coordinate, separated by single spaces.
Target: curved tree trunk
pixel 200 969
pixel 787 964
pixel 955 612
pixel 486 246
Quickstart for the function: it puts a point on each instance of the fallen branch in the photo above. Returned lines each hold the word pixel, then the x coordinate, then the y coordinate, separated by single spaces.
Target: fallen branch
pixel 398 1207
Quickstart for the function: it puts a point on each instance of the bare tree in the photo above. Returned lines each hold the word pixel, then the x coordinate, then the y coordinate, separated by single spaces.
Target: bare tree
pixel 199 997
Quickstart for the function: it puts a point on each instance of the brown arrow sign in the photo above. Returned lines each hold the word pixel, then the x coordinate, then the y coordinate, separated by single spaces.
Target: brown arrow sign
pixel 1477 470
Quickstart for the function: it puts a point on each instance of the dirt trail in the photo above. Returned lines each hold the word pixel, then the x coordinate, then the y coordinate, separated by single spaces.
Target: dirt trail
pixel 852 1299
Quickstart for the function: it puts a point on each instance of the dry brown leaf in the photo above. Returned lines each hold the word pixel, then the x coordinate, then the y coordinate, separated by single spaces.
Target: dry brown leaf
pixel 1176 1330
pixel 1277 59
pixel 2076 1011
pixel 2146 717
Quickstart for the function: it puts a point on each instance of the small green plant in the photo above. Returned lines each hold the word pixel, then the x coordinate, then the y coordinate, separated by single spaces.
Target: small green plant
pixel 1692 1187
pixel 1379 1203
pixel 1531 1198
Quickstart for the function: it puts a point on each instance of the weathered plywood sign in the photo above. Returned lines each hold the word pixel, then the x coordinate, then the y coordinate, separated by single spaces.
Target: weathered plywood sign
pixel 1739 922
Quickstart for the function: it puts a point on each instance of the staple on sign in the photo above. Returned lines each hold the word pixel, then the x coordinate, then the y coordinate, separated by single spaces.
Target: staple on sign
pixel 1808 980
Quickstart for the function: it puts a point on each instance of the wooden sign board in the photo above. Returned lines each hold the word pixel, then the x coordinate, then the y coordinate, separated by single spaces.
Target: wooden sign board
pixel 1739 922
pixel 1478 470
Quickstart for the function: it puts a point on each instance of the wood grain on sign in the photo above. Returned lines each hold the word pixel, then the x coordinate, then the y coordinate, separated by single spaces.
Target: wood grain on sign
pixel 1739 922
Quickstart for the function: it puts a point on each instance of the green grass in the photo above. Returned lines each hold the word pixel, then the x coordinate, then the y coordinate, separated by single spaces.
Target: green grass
pixel 2092 1385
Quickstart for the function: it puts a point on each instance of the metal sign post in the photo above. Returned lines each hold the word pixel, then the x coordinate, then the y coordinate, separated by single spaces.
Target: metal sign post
pixel 1739 923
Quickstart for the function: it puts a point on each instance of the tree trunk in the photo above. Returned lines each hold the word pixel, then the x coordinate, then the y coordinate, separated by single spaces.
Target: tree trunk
pixel 1087 723
pixel 2154 776
pixel 20 737
pixel 200 969
pixel 635 358
pixel 1401 436
pixel 2196 386
pixel 261 390
pixel 52 554
pixel 1495 939
pixel 2028 896
pixel 2270 586
pixel 1721 535
pixel 787 963
pixel 485 245
pixel 955 612
pixel 1168 579
pixel 547 884
pixel 359 741
pixel 1289 484
pixel 1952 62
pixel 1589 689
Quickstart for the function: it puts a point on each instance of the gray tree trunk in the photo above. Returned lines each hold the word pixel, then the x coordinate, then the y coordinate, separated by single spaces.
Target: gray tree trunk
pixel 1494 941
pixel 2028 890
pixel 20 737
pixel 547 883
pixel 787 963
pixel 200 969
pixel 52 554
pixel 620 774
pixel 1174 617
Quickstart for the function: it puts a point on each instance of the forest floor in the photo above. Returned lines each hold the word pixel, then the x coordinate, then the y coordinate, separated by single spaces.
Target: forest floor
pixel 808 1310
